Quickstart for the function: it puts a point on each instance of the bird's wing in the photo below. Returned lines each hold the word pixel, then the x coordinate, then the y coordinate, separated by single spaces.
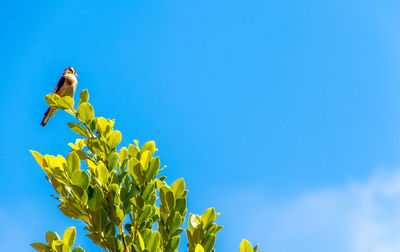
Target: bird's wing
pixel 60 84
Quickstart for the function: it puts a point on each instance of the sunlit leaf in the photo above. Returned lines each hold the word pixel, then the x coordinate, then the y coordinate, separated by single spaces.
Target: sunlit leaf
pixel 114 139
pixel 73 163
pixel 80 178
pixel 245 246
pixel 85 112
pixel 199 248
pixel 78 129
pixel 69 236
pixel 83 96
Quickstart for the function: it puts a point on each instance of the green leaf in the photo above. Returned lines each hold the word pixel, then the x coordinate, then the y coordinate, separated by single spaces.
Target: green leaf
pixel 80 178
pixel 116 215
pixel 149 146
pixel 148 190
pixel 245 246
pixel 113 194
pixel 85 112
pixel 208 217
pixel 112 161
pixel 152 171
pixel 173 244
pixel 115 245
pixel 153 243
pixel 256 248
pixel 180 206
pixel 208 244
pixel 50 237
pixel 178 188
pixel 132 163
pixel 70 211
pixel 95 197
pixel 73 163
pixel 78 249
pixel 69 236
pixel 170 201
pixel 176 222
pixel 99 219
pixel 68 102
pixel 83 96
pixel 41 247
pixel 114 139
pixel 145 213
pixel 135 170
pixel 110 230
pixel 81 154
pixel 78 129
pixel 199 248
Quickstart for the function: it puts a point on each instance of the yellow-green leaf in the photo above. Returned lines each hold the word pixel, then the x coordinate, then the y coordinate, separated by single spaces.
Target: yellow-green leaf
pixel 78 129
pixel 149 146
pixel 73 163
pixel 69 236
pixel 114 139
pixel 245 246
pixel 83 96
pixel 40 159
pixel 78 249
pixel 199 248
pixel 60 246
pixel 141 241
pixel 123 153
pixel 53 100
pixel 50 237
pixel 178 188
pixel 145 159
pixel 41 247
pixel 81 179
pixel 68 102
pixel 208 217
pixel 104 126
pixel 85 112
pixel 153 243
pixel 102 174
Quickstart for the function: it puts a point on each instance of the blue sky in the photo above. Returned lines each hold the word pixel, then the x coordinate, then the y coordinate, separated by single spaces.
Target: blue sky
pixel 283 115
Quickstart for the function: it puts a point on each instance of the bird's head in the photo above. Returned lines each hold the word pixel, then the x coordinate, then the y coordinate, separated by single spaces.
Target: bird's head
pixel 70 70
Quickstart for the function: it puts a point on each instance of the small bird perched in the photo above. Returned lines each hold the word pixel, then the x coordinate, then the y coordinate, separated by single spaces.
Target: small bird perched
pixel 66 86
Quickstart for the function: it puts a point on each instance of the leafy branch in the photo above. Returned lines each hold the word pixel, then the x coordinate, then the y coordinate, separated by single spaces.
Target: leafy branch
pixel 114 192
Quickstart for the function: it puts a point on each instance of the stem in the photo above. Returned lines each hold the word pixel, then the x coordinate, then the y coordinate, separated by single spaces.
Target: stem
pixel 121 230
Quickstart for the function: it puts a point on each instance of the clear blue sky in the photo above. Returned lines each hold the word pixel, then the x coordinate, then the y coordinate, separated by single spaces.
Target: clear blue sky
pixel 257 104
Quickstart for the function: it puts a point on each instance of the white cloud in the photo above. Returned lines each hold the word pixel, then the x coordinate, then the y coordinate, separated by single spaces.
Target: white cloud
pixel 358 217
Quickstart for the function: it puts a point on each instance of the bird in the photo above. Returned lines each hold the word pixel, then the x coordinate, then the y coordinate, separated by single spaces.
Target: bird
pixel 66 87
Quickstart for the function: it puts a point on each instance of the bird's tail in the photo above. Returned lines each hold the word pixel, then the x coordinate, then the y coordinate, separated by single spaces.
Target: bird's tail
pixel 47 115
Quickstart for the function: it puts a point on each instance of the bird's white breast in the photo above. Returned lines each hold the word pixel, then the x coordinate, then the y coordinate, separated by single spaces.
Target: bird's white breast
pixel 70 84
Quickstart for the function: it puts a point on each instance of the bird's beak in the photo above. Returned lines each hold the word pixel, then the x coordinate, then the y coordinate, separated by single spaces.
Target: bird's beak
pixel 76 74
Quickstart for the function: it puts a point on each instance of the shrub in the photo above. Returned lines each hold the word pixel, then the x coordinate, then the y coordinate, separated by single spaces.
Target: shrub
pixel 116 192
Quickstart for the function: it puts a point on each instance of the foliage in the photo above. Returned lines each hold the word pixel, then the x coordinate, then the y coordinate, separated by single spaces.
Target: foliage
pixel 116 192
